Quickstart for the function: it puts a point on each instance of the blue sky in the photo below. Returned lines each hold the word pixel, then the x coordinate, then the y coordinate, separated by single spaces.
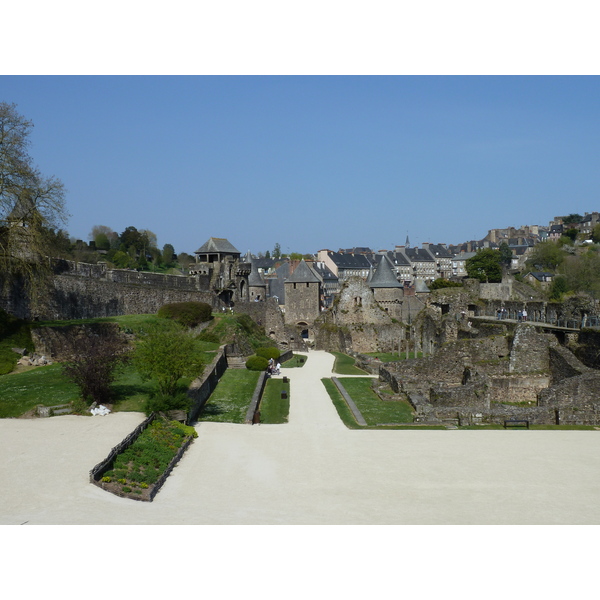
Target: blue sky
pixel 314 162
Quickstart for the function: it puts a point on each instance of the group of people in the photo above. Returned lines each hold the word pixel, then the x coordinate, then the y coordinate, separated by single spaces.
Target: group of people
pixel 521 315
pixel 273 369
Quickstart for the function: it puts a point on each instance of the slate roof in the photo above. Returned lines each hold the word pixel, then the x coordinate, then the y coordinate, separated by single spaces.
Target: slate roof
pixel 303 274
pixel 324 272
pixel 439 251
pixel 398 258
pixel 350 261
pixel 464 256
pixel 384 276
pixel 217 245
pixel 276 283
pixel 541 276
pixel 418 255
pixel 254 279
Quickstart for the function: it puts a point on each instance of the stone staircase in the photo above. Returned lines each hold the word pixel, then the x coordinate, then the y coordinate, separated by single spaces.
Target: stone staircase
pixel 54 411
pixel 236 362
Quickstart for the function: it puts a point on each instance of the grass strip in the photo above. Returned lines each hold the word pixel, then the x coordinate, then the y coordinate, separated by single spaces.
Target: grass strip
pixel 342 408
pixel 231 398
pixel 294 362
pixel 274 409
pixel 344 365
pixel 373 409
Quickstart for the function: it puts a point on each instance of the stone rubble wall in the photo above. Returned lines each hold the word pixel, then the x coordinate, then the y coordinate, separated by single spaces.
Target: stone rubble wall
pixel 473 380
pixel 55 342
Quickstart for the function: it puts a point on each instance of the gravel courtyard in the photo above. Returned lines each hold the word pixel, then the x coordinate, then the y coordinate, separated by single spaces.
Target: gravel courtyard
pixel 310 471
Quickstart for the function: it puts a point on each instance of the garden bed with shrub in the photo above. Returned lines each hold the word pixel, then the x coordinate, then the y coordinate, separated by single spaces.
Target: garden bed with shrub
pixel 139 470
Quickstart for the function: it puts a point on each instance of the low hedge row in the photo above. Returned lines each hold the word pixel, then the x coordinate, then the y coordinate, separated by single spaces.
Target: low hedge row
pixel 189 314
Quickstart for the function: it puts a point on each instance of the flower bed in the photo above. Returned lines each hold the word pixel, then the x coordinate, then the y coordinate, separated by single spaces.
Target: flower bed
pixel 139 471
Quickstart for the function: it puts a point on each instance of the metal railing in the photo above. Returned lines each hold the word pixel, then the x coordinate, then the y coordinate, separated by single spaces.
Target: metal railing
pixel 535 316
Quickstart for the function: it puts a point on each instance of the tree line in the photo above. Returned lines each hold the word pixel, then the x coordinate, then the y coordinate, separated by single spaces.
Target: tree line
pixel 131 249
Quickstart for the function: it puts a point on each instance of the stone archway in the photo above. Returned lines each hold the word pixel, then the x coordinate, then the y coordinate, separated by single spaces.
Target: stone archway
pixel 303 329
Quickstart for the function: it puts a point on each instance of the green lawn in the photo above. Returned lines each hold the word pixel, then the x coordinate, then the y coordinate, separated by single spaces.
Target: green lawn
pixel 375 411
pixel 273 408
pixel 131 391
pixel 21 392
pixel 340 404
pixel 297 360
pixel 344 365
pixel 231 398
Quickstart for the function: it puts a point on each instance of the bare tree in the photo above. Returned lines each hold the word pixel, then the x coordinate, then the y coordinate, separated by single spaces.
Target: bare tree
pixel 31 205
pixel 93 360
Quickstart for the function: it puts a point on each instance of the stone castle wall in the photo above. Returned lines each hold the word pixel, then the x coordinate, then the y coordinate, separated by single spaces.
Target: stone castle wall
pixel 83 291
pixel 301 302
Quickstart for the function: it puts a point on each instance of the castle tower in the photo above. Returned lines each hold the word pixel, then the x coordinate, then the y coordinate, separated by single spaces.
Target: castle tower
pixel 387 290
pixel 302 299
pixel 257 286
pixel 228 274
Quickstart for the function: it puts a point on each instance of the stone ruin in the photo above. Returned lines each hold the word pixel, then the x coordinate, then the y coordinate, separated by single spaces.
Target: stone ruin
pixel 496 375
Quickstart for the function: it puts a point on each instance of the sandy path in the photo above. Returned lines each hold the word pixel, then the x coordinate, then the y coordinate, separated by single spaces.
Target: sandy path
pixel 310 471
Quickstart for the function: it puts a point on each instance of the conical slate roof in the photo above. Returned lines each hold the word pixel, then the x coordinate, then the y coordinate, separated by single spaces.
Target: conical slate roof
pixel 217 245
pixel 303 274
pixel 384 276
pixel 255 279
pixel 421 286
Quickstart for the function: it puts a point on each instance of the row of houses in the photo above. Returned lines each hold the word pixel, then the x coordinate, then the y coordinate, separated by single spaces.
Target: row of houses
pixel 412 267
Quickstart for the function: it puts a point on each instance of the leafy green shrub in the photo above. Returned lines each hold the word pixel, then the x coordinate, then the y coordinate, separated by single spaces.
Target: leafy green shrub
pixel 443 283
pixel 189 314
pixel 209 336
pixel 164 402
pixel 267 353
pixel 165 354
pixel 257 363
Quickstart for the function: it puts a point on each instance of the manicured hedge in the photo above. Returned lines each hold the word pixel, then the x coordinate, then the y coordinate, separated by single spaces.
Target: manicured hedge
pixel 189 314
pixel 257 363
pixel 267 353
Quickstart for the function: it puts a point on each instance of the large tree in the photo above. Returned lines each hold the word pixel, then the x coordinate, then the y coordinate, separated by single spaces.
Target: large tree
pixel 486 266
pixel 31 205
pixel 165 353
pixel 546 256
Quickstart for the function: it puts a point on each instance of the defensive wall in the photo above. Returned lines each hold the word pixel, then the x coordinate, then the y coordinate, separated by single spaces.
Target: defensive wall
pixel 83 291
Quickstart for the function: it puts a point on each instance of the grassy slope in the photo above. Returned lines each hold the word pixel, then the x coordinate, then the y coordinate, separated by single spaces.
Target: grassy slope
pixel 373 409
pixel 344 365
pixel 21 392
pixel 273 408
pixel 231 398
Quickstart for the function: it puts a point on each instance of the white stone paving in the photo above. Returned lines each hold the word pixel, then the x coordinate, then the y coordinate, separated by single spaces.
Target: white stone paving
pixel 310 471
